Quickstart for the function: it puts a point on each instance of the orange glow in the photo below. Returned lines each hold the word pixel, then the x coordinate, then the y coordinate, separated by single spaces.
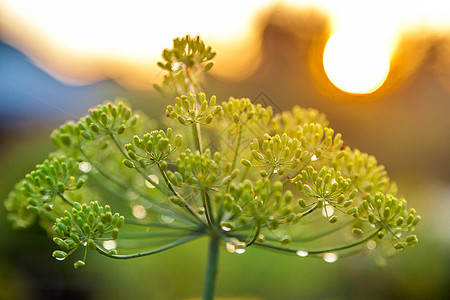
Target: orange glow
pixel 356 63
pixel 84 41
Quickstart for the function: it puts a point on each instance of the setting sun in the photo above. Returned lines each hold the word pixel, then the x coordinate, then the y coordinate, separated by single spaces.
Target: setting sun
pixel 355 62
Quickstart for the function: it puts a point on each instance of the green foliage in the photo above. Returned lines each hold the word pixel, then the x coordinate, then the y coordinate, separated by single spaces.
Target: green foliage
pixel 234 171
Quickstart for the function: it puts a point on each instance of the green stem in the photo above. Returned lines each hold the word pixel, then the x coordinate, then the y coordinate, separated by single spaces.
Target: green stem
pixel 196 132
pixel 274 247
pixel 154 251
pixel 211 268
pixel 236 152
pixel 65 199
pixel 208 211
pixel 172 189
pixel 255 236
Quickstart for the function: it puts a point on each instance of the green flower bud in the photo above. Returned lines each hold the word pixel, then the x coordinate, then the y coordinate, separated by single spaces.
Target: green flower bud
pixel 120 222
pixel 59 255
pixel 121 129
pixel 234 174
pixel 357 231
pixel 128 163
pixel 86 228
pixel 333 219
pixel 79 264
pixel 87 135
pixel 380 234
pixel 320 203
pixel 347 203
pixel 75 238
pixel 115 233
pixel 399 246
pixel 387 212
pixel 302 203
pixel 411 240
pixel 306 189
pixel 77 206
pixel 104 119
pixel 91 244
pixel 177 201
pixel 416 220
pixel 163 144
pixel 246 163
pixel 61 188
pixel 353 194
pixel 178 140
pixel 94 127
pixel 65 140
pixel 61 243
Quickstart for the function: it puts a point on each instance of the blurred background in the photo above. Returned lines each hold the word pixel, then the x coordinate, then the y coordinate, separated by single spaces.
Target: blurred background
pixel 379 70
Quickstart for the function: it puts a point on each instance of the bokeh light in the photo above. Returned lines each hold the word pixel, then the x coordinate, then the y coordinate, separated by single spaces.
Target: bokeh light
pixel 356 62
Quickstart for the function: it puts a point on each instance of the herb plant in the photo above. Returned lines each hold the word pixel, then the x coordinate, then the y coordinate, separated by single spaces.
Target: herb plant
pixel 231 171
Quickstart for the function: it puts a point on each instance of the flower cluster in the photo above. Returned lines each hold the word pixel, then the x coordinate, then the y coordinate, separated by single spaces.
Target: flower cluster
pixel 289 121
pixel 40 188
pixel 201 171
pixel 103 121
pixel 189 110
pixel 263 203
pixel 154 148
pixel 86 226
pixel 392 216
pixel 278 153
pixel 364 171
pixel 185 63
pixel 243 110
pixel 325 188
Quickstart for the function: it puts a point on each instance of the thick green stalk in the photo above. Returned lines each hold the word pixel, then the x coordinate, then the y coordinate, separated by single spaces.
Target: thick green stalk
pixel 211 268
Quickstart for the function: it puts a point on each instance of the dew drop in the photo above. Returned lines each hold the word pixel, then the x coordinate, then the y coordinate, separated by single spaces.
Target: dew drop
pixel 109 245
pixel 328 211
pixel 314 158
pixel 240 250
pixel 153 178
pixel 166 219
pixel 225 228
pixel 330 257
pixel 275 171
pixel 84 167
pixel 230 247
pixel 398 234
pixel 333 181
pixel 139 211
pixel 175 66
pixel 371 245
pixel 60 258
pixel 84 243
pixel 372 225
pixel 302 253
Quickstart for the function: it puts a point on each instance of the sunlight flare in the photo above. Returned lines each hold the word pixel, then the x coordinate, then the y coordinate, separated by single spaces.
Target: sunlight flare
pixel 356 62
